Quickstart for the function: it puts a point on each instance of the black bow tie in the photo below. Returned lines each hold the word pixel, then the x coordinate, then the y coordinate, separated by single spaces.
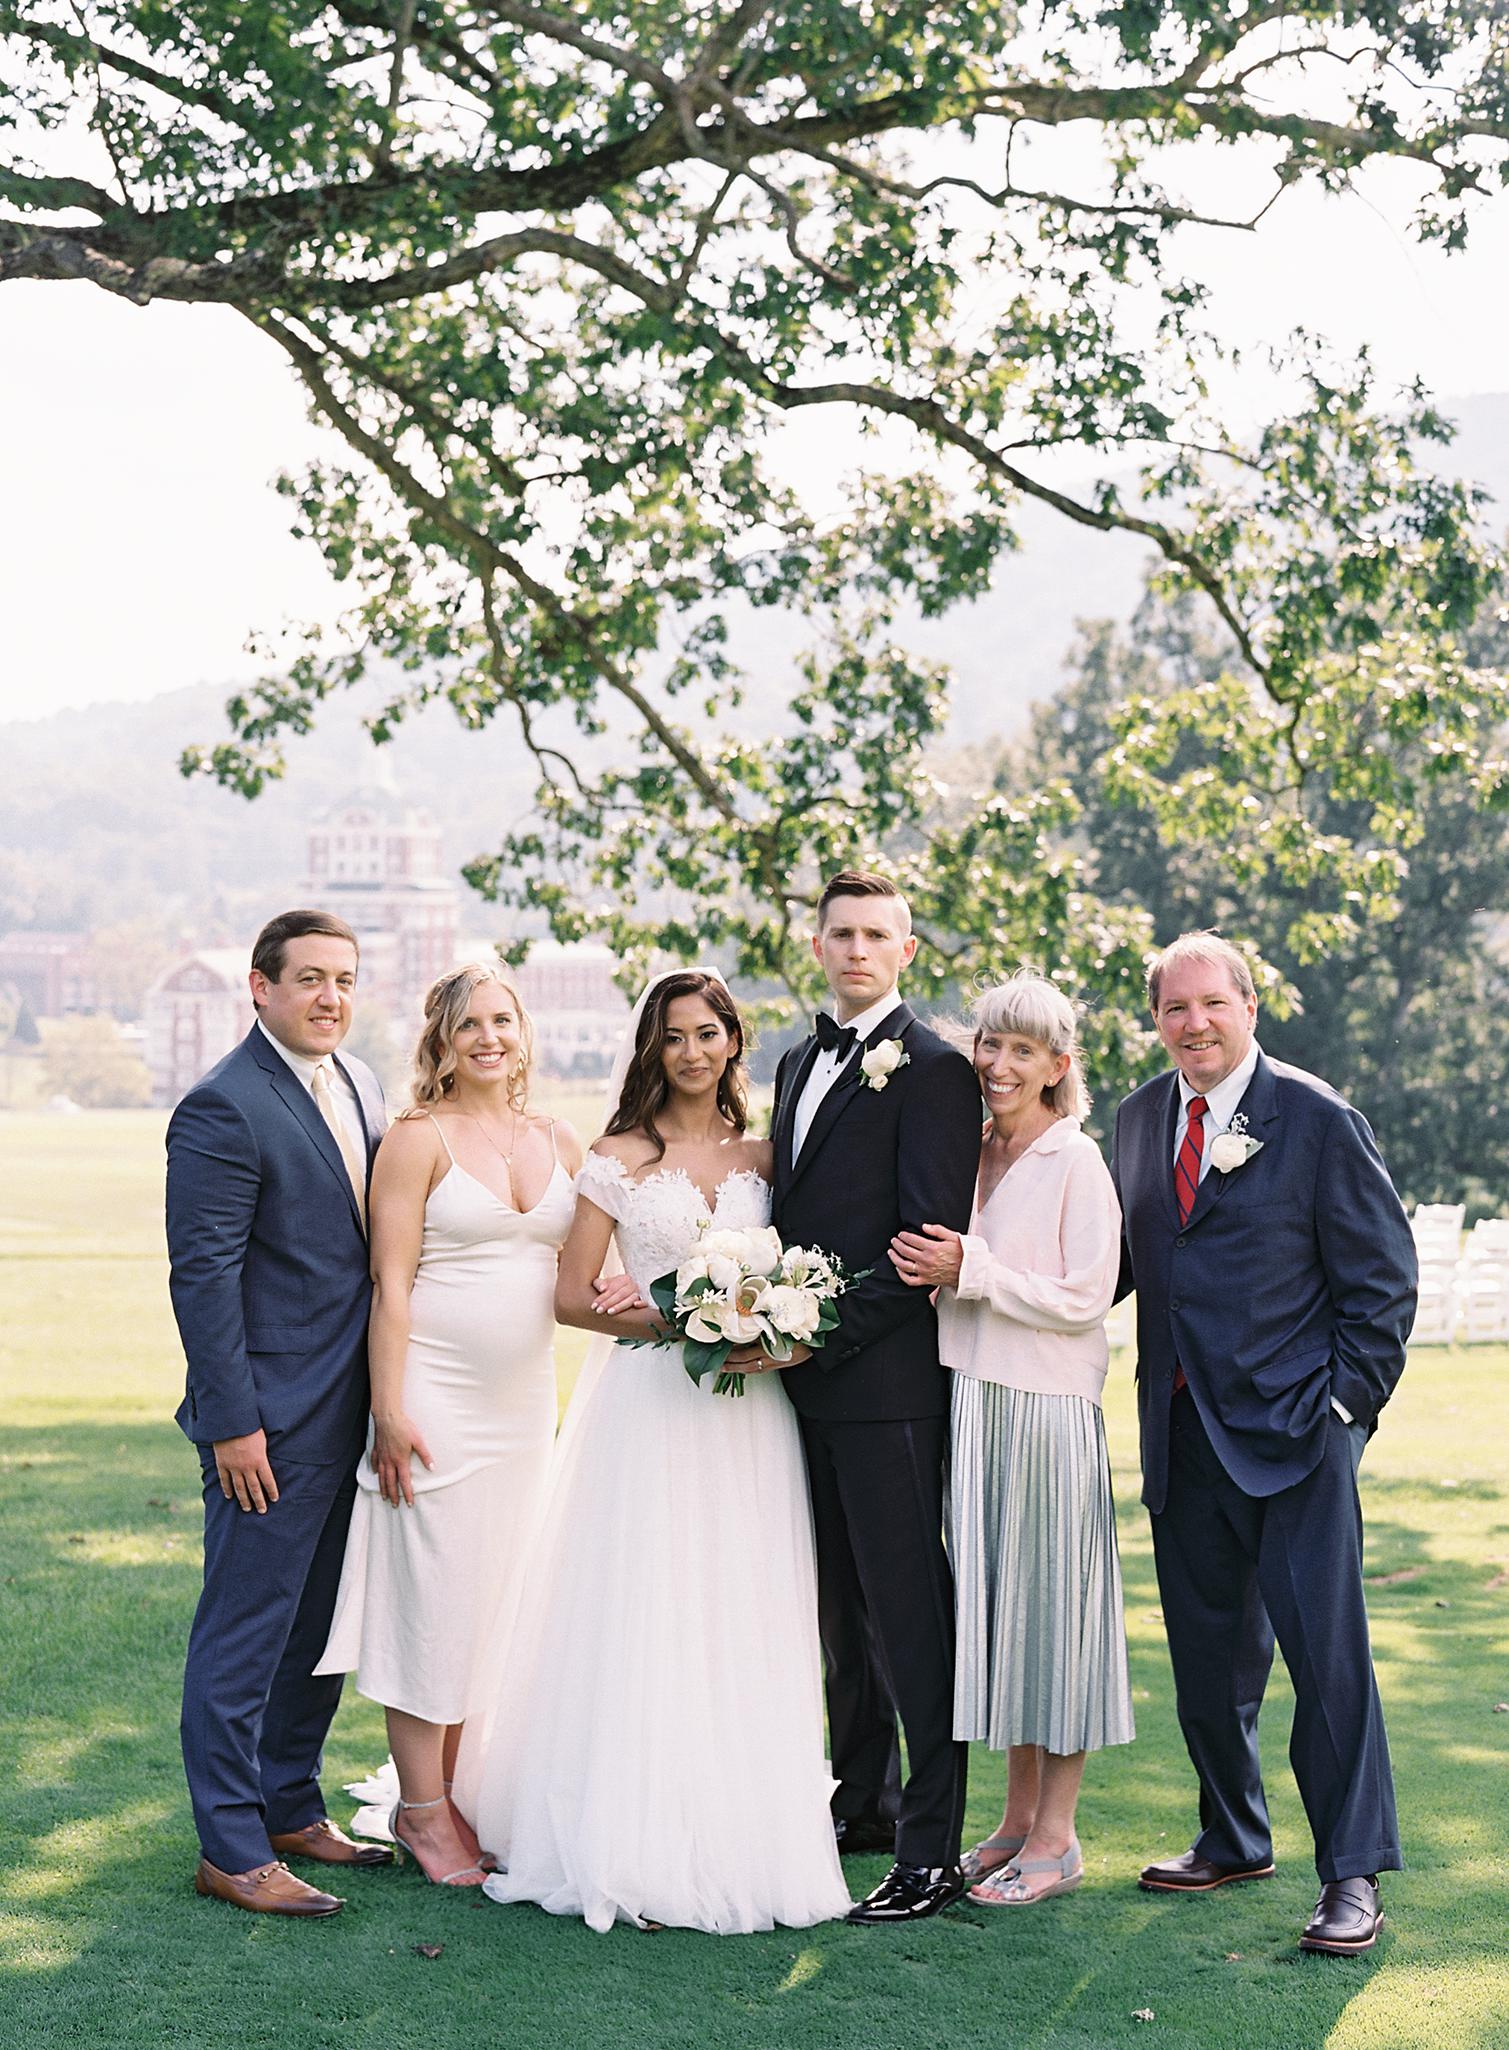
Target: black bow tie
pixel 833 1037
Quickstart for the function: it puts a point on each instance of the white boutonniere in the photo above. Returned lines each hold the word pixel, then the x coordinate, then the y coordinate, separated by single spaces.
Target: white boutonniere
pixel 1234 1147
pixel 879 1063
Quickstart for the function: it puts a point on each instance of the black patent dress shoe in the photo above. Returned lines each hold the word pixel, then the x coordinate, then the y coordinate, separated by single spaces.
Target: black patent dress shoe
pixel 1347 1918
pixel 856 1837
pixel 1190 1873
pixel 910 1893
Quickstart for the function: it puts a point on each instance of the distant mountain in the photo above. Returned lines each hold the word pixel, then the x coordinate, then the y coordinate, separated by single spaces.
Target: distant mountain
pixel 98 827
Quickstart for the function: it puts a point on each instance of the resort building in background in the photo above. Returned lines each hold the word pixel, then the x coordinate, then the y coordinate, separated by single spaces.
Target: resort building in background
pixel 378 863
pixel 578 1011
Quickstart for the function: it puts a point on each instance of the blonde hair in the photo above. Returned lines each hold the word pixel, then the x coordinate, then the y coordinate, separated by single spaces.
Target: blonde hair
pixel 446 1004
pixel 1036 1009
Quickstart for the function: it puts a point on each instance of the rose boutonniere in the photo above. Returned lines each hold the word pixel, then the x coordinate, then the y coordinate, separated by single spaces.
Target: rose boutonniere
pixel 879 1063
pixel 1234 1147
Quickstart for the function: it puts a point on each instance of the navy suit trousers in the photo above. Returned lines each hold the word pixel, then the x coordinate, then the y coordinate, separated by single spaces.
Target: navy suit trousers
pixel 254 1716
pixel 1228 1563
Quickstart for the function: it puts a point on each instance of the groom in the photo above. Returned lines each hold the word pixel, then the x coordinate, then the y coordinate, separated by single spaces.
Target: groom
pixel 269 1157
pixel 876 1130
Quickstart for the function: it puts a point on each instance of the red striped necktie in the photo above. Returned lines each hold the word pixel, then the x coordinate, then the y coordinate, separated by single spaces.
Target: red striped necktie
pixel 1187 1180
pixel 1187 1164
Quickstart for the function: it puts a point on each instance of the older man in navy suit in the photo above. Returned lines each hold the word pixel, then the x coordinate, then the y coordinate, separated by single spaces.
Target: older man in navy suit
pixel 1275 1277
pixel 269 1157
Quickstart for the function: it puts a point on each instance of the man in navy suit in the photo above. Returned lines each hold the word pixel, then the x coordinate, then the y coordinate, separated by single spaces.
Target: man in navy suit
pixel 1275 1277
pixel 876 1130
pixel 269 1157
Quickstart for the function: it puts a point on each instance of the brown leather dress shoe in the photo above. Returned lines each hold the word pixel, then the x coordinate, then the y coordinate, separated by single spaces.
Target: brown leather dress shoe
pixel 1347 1918
pixel 269 1890
pixel 328 1845
pixel 1190 1873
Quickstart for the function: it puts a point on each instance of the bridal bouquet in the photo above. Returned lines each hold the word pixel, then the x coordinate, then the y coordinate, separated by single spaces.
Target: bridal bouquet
pixel 746 1288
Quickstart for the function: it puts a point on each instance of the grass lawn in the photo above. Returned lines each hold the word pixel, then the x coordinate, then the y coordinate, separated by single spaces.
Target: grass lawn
pixel 103 1941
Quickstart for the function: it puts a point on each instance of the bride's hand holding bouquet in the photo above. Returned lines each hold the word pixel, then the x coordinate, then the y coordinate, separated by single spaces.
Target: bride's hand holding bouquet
pixel 741 1298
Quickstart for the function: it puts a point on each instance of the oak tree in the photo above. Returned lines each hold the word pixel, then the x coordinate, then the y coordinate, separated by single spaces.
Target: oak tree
pixel 563 279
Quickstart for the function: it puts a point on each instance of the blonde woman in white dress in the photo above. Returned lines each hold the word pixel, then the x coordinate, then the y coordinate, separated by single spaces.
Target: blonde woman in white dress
pixel 471 1200
pixel 657 1752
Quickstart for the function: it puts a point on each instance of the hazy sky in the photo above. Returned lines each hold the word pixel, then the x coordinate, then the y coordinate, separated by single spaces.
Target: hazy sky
pixel 140 539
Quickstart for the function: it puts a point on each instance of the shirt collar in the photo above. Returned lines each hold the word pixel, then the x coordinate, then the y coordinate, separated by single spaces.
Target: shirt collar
pixel 1221 1102
pixel 303 1064
pixel 865 1023
pixel 1057 1136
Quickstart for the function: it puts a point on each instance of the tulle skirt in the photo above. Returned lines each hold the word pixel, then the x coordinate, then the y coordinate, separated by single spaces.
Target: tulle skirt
pixel 656 1753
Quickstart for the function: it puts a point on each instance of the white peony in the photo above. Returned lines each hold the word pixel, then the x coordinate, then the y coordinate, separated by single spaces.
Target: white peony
pixel 765 1250
pixel 692 1269
pixel 793 1311
pixel 725 1245
pixel 879 1063
pixel 1229 1150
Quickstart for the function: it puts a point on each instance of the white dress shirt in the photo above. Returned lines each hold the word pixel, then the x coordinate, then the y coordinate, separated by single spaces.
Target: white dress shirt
pixel 830 1063
pixel 342 1095
pixel 1220 1104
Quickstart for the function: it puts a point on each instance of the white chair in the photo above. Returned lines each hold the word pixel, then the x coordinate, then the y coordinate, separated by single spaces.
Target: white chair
pixel 1445 1216
pixel 1488 1243
pixel 1436 1310
pixel 1484 1301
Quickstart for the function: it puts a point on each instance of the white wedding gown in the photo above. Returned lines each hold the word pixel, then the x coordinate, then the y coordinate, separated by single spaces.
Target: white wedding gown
pixel 656 1754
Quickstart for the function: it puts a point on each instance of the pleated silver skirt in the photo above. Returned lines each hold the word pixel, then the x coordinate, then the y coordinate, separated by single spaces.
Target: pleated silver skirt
pixel 1042 1655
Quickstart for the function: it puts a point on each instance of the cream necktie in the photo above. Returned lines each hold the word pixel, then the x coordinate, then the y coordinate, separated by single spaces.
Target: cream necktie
pixel 356 1168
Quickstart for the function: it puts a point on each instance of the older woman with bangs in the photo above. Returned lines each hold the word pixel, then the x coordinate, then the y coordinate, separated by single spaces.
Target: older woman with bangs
pixel 472 1198
pixel 1041 1667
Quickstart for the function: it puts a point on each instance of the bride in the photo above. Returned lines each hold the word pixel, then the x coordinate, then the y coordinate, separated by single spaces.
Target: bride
pixel 656 1755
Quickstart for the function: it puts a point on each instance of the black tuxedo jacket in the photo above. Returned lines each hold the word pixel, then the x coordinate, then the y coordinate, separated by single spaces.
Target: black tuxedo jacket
pixel 877 1161
pixel 1292 1282
pixel 269 1265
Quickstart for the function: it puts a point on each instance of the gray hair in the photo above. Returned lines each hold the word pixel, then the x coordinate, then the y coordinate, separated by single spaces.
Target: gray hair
pixel 1200 946
pixel 1037 1009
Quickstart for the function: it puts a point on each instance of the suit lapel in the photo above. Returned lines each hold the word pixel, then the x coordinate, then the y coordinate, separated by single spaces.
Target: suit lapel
pixel 298 1101
pixel 1168 1124
pixel 800 1060
pixel 844 1089
pixel 373 1110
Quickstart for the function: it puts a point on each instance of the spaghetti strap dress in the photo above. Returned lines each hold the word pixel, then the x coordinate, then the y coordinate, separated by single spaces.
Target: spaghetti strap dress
pixel 428 1592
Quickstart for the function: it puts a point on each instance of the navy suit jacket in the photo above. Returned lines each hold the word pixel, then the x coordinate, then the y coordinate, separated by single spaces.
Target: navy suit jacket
pixel 877 1161
pixel 269 1267
pixel 1293 1281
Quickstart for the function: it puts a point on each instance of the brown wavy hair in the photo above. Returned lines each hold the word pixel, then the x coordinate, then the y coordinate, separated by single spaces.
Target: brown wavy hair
pixel 646 1091
pixel 445 1006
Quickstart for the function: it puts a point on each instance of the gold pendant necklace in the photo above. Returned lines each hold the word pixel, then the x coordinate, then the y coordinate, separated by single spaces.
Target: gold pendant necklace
pixel 506 1158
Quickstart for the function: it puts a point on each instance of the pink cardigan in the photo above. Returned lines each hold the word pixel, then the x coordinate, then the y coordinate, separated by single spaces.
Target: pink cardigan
pixel 1040 1267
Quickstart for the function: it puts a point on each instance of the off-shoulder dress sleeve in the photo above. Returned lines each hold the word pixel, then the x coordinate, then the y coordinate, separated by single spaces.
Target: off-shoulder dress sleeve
pixel 605 1181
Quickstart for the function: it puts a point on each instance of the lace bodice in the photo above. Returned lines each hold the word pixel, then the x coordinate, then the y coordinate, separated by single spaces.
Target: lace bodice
pixel 659 1216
